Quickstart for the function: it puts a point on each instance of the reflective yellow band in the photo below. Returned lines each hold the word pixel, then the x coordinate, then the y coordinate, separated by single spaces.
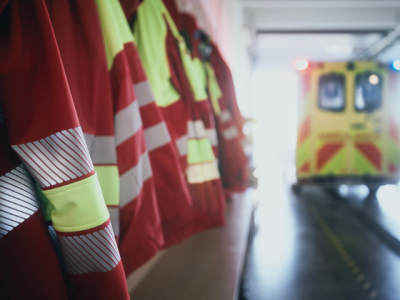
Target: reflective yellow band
pixel 77 206
pixel 199 151
pixel 202 172
pixel 150 32
pixel 109 182
pixel 113 41
pixel 214 89
pixel 45 204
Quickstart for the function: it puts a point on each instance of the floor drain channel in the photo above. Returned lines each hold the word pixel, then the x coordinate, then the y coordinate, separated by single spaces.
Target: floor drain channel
pixel 350 263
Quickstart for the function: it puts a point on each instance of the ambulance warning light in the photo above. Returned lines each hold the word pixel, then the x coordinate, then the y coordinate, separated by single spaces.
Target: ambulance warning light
pixel 301 64
pixel 396 64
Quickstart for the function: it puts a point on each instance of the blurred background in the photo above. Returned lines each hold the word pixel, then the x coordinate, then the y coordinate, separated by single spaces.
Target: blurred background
pixel 335 243
pixel 332 230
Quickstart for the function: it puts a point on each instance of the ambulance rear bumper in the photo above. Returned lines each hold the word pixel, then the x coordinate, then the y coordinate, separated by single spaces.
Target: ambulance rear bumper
pixel 334 181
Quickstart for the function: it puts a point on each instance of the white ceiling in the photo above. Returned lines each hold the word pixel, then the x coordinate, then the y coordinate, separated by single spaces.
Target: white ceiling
pixel 319 30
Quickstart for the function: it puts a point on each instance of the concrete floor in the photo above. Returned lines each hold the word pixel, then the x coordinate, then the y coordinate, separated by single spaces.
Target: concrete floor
pixel 311 246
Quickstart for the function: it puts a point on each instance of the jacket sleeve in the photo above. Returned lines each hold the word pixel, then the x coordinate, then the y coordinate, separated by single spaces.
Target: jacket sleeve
pixel 45 133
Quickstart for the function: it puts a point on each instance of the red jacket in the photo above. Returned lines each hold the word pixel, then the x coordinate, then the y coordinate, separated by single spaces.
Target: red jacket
pixel 173 196
pixel 41 126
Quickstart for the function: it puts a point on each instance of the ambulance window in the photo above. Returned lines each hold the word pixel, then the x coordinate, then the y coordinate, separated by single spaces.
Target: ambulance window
pixel 331 92
pixel 368 93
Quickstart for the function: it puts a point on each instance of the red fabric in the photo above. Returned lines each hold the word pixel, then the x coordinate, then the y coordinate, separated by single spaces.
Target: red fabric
pixel 208 198
pixel 129 7
pixel 141 233
pixel 104 285
pixel 36 101
pixel 173 195
pixel 225 81
pixel 26 253
pixel 232 160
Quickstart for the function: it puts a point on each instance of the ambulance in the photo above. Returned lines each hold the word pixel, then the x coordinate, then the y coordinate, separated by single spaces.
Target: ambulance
pixel 348 125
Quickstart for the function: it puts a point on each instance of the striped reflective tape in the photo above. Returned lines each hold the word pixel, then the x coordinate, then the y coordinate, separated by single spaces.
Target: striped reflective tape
pixel 203 172
pixel 230 133
pixel 143 92
pixel 181 144
pixel 196 130
pixel 90 253
pixel 58 158
pixel 156 136
pixel 114 219
pixel 127 122
pixel 1 115
pixel 17 199
pixel 225 116
pixel 131 182
pixel 212 136
pixel 102 149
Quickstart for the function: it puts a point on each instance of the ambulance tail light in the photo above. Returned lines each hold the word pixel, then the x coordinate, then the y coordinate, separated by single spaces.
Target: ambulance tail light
pixel 301 64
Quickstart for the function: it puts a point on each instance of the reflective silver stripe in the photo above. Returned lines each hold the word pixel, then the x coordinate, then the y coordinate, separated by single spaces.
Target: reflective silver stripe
pixel 89 253
pixel 39 159
pixel 6 227
pixel 100 250
pixel 59 161
pixel 78 253
pixel 212 136
pixel 17 199
pixel 58 158
pixel 181 144
pixel 32 167
pixel 108 234
pixel 230 133
pixel 82 145
pixel 105 247
pixel 8 222
pixel 87 257
pixel 114 218
pixel 14 185
pixel 72 154
pixel 72 263
pixel 77 258
pixel 225 116
pixel 44 155
pixel 81 157
pixel 27 212
pixel 66 156
pixel 33 206
pixel 131 182
pixel 196 130
pixel 104 238
pixel 143 92
pixel 127 122
pixel 102 149
pixel 156 136
pixel 13 214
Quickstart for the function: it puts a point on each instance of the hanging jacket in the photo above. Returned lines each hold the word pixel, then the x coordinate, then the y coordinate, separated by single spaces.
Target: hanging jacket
pixel 232 159
pixel 172 76
pixel 173 195
pixel 225 81
pixel 39 125
pixel 140 226
pixel 202 102
pixel 79 37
